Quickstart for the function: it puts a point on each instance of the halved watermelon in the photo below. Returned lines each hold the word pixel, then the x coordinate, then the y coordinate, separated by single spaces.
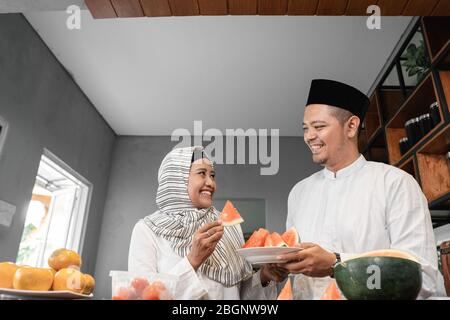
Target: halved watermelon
pixel 290 237
pixel 257 239
pixel 286 292
pixel 230 216
pixel 277 241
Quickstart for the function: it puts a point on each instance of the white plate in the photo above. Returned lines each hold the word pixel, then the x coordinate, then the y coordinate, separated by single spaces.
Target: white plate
pixel 263 255
pixel 29 294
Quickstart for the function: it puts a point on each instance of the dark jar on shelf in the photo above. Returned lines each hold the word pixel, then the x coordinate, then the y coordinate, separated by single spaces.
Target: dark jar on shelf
pixel 425 124
pixel 435 115
pixel 404 145
pixel 413 131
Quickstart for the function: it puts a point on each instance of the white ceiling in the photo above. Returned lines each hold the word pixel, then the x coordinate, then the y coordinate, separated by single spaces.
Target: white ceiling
pixel 149 76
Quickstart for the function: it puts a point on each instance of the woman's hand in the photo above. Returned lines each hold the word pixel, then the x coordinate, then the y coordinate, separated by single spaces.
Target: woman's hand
pixel 204 243
pixel 272 272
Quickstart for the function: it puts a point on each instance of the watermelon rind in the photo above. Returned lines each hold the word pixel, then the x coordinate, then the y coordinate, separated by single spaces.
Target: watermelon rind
pixel 399 278
pixel 232 223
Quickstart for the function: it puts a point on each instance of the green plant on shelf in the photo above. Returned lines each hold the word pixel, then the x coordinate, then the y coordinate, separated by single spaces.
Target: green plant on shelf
pixel 416 62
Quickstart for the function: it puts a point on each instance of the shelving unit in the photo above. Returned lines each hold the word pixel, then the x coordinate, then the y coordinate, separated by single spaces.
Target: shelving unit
pixel 398 98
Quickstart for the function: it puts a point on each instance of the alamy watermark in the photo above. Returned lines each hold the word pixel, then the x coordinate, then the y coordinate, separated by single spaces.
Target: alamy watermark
pixel 259 142
pixel 374 280
pixel 73 22
pixel 374 21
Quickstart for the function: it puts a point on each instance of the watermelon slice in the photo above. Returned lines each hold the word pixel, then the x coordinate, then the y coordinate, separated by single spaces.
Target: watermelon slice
pixel 230 216
pixel 277 241
pixel 257 239
pixel 268 242
pixel 286 292
pixel 290 237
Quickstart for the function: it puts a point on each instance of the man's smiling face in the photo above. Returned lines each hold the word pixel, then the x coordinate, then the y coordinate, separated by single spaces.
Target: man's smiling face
pixel 324 134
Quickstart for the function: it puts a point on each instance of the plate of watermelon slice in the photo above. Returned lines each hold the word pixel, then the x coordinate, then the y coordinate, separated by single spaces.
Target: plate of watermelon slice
pixel 259 256
pixel 263 247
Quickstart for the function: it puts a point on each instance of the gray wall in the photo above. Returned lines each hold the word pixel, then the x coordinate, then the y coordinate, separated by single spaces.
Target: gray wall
pixel 133 184
pixel 46 109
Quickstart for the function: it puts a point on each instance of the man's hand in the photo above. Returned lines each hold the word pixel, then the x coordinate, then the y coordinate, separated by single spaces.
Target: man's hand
pixel 313 261
pixel 272 272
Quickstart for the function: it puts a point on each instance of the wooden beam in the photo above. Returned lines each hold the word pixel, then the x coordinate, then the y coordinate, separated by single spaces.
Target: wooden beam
pixel 442 8
pixel 156 8
pixel 101 9
pixel 359 7
pixel 392 7
pixel 213 7
pixel 127 8
pixel 419 7
pixel 184 7
pixel 302 7
pixel 332 7
pixel 272 7
pixel 243 7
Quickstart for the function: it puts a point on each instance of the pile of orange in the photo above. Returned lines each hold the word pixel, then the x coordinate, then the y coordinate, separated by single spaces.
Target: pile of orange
pixel 64 274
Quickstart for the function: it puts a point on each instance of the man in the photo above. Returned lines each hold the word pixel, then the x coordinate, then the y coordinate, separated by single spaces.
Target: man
pixel 352 205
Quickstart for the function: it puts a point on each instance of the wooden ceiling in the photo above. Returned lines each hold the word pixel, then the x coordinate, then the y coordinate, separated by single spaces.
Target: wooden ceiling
pixel 160 8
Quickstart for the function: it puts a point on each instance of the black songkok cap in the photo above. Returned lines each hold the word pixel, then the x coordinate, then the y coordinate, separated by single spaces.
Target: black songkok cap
pixel 338 94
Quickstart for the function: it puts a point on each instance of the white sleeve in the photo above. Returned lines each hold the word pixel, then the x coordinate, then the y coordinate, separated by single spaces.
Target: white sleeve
pixel 252 289
pixel 410 228
pixel 142 258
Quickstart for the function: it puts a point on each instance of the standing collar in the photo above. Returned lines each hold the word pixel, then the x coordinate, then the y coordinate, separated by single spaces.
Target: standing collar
pixel 347 171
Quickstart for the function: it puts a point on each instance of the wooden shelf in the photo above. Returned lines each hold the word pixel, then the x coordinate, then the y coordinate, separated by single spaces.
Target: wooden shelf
pixel 444 76
pixel 390 101
pixel 373 118
pixel 436 33
pixel 362 140
pixel 408 166
pixel 377 148
pixel 433 167
pixel 442 59
pixel 397 102
pixel 418 103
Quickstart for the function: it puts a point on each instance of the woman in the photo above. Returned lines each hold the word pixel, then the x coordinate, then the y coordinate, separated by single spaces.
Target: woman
pixel 185 237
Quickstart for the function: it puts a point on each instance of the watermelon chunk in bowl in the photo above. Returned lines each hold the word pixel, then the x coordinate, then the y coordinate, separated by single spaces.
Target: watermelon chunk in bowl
pixel 139 286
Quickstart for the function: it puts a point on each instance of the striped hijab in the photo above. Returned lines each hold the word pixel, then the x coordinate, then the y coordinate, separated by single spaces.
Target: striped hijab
pixel 177 221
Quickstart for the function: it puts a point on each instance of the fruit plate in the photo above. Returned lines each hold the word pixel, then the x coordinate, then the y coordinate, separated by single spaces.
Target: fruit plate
pixel 29 294
pixel 264 255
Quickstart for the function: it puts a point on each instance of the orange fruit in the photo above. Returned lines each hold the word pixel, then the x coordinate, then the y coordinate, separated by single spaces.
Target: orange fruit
pixel 64 258
pixel 36 279
pixel 139 284
pixel 69 279
pixel 124 293
pixel 7 270
pixel 89 284
pixel 151 293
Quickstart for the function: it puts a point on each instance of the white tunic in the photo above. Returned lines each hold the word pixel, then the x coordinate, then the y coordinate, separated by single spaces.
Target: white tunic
pixel 365 206
pixel 150 253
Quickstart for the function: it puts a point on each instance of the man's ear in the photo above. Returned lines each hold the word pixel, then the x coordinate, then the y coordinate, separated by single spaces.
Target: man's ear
pixel 352 126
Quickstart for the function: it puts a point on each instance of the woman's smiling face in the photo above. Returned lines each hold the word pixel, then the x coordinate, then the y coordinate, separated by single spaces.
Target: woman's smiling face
pixel 202 183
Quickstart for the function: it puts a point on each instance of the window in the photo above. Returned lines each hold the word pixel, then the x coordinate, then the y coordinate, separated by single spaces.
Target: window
pixel 56 214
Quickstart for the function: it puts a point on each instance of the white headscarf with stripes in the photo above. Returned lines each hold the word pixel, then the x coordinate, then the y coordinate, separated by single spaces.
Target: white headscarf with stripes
pixel 178 219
